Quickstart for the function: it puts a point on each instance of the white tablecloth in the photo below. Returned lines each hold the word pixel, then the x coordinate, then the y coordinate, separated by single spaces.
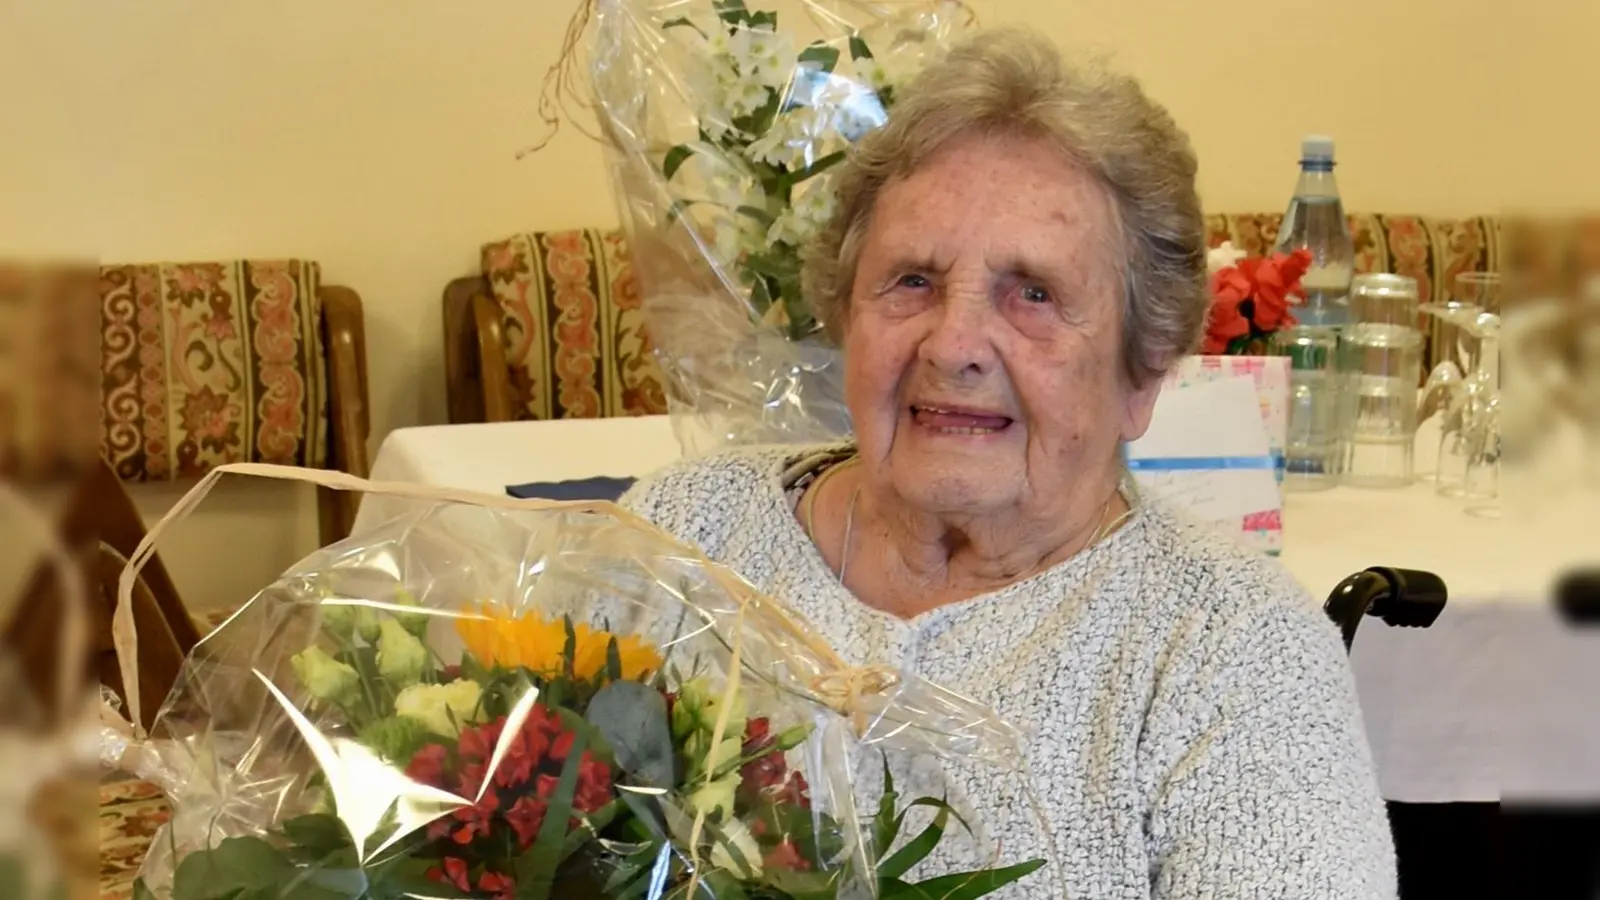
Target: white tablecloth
pixel 1497 697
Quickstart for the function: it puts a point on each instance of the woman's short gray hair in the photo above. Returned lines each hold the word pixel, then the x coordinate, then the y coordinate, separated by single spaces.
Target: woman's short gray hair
pixel 1013 82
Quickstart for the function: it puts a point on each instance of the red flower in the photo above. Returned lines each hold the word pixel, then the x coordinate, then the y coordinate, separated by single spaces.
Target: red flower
pixel 449 673
pixel 562 746
pixel 594 785
pixel 785 856
pixel 526 817
pixel 479 742
pixel 454 872
pixel 427 765
pixel 498 884
pixel 522 756
pixel 545 786
pixel 796 792
pixel 542 719
pixel 475 820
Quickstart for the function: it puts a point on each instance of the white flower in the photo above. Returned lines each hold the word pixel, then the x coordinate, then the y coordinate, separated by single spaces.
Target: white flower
pixel 744 97
pixel 1223 257
pixel 441 708
pixel 401 656
pixel 771 57
pixel 325 677
pixel 748 862
pixel 872 72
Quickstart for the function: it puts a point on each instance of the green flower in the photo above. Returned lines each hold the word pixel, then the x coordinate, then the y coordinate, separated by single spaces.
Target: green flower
pixel 716 797
pixel 698 707
pixel 416 623
pixel 442 708
pixel 325 677
pixel 396 738
pixel 401 657
pixel 343 619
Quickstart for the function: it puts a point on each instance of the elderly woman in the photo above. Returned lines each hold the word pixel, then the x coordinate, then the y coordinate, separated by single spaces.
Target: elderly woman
pixel 1016 259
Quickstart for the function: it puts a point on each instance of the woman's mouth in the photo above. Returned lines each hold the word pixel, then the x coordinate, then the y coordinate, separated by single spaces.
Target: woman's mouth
pixel 959 420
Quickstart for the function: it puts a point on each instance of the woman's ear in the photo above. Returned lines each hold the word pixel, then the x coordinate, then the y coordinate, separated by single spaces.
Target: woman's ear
pixel 1138 405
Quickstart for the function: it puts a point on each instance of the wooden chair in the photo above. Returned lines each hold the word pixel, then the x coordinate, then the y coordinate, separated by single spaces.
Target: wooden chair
pixel 550 328
pixel 247 360
pixel 101 522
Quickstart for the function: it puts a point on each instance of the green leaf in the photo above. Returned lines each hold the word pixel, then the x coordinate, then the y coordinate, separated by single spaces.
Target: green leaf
pixel 808 885
pixel 318 835
pixel 764 20
pixel 731 11
pixel 646 811
pixel 569 653
pixel 886 825
pixel 141 891
pixel 237 866
pixel 824 56
pixel 592 825
pixel 918 848
pixel 753 212
pixel 674 159
pixel 536 869
pixel 858 48
pixel 613 660
pixel 632 718
pixel 816 168
pixel 596 742
pixel 971 885
pixel 682 22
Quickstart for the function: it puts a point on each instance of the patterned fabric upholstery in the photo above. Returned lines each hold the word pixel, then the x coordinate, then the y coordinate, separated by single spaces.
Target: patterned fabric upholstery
pixel 574 329
pixel 1431 250
pixel 212 363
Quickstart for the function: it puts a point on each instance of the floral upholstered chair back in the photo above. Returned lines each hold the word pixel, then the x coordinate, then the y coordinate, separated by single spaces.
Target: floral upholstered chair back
pixel 574 333
pixel 1431 250
pixel 212 363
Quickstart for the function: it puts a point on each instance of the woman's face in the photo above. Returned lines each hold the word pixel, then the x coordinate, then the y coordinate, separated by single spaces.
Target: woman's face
pixel 983 341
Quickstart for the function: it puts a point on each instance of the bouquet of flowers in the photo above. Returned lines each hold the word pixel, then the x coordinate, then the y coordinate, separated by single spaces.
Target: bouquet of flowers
pixel 724 121
pixel 474 704
pixel 1251 299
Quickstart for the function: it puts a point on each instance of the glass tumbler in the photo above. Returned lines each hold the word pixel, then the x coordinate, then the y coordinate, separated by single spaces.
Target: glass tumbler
pixel 1380 367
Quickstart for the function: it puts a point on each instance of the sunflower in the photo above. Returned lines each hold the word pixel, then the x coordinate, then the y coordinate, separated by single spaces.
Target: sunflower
pixel 539 645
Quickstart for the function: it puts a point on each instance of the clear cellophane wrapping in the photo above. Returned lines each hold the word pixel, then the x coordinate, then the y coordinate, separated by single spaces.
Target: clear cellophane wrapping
pixel 724 121
pixel 560 701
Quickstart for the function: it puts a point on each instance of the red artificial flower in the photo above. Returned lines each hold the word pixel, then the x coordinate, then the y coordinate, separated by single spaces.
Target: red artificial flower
pixel 522 756
pixel 526 817
pixel 1224 325
pixel 427 765
pixel 453 873
pixel 785 856
pixel 498 884
pixel 544 787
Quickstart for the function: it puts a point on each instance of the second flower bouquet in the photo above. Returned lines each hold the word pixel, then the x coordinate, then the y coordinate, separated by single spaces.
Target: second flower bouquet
pixel 430 713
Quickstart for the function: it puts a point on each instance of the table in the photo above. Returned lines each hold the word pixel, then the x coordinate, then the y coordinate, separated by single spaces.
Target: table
pixel 1438 703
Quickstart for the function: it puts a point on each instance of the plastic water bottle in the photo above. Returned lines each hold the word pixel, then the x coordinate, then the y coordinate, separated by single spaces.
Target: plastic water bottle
pixel 1315 221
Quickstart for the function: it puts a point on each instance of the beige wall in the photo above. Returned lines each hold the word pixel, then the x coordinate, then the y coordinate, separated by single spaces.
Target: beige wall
pixel 379 137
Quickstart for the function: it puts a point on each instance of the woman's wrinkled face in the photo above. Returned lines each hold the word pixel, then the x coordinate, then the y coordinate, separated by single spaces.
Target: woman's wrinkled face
pixel 983 341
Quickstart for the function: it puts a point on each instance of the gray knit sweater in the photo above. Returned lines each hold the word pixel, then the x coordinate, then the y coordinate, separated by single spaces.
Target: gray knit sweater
pixel 1192 721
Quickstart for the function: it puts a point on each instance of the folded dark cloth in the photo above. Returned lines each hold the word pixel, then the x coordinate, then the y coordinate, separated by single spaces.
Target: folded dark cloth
pixel 601 487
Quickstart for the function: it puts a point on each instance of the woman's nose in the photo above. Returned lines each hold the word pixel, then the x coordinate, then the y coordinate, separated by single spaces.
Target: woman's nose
pixel 960 342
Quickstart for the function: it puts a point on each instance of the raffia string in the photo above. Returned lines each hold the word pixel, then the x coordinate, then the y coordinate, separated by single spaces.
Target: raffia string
pixel 564 82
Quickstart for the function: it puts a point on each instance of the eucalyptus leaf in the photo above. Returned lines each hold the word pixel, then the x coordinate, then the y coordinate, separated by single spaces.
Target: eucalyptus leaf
pixel 632 718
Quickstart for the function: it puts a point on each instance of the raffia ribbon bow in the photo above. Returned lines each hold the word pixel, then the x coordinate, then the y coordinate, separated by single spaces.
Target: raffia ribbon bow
pixel 843 690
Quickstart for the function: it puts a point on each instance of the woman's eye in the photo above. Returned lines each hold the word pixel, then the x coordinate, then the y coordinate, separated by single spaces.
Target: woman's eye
pixel 915 282
pixel 1033 293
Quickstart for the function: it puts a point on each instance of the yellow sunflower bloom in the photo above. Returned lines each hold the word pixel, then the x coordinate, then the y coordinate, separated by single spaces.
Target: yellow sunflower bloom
pixel 539 645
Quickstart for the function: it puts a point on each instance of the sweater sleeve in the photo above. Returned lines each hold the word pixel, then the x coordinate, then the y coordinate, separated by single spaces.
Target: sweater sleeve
pixel 1256 766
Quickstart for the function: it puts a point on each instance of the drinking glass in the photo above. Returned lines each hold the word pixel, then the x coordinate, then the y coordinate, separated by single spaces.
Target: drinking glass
pixel 1380 365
